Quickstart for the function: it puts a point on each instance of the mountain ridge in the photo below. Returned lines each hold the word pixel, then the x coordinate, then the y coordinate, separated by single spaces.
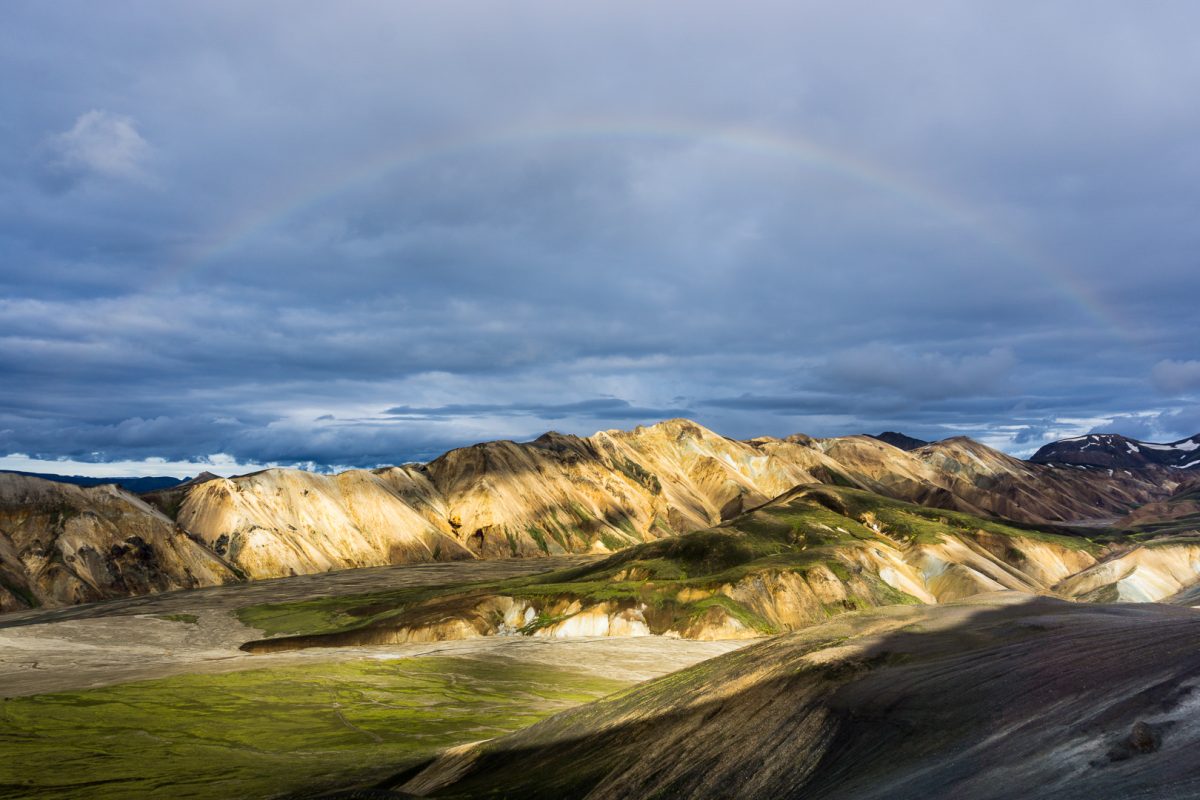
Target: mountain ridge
pixel 561 494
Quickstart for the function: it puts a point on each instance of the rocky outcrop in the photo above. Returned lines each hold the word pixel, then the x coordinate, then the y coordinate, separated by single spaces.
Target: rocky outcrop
pixel 62 544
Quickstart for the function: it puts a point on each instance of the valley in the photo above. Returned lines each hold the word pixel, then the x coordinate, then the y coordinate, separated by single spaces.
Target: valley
pixel 125 698
pixel 525 620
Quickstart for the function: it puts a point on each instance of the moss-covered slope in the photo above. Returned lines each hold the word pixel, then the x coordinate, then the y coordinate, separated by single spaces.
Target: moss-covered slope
pixel 814 553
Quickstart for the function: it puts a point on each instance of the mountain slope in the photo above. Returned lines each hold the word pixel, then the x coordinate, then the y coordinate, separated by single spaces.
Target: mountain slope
pixel 556 494
pixel 999 698
pixel 62 544
pixel 1179 513
pixel 281 522
pixel 962 474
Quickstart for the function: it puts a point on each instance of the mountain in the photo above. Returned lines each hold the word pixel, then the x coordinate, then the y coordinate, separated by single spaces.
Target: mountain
pixel 568 494
pixel 62 544
pixel 1113 451
pixel 964 475
pixel 816 552
pixel 1000 697
pixel 899 440
pixel 135 485
pixel 556 494
pixel 289 522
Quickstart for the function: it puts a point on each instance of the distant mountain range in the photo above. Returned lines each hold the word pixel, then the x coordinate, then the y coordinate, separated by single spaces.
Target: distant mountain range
pixel 135 485
pixel 1114 451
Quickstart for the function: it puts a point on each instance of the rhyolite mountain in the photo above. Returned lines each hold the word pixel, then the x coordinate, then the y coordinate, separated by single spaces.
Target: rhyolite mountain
pixel 569 494
pixel 553 495
pixel 1113 451
pixel 62 544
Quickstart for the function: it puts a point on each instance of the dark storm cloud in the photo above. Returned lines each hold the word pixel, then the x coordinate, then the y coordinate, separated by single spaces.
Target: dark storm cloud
pixel 359 235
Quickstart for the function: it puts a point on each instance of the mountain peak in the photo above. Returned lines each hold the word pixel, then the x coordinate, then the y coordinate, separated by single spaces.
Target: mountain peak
pixel 895 439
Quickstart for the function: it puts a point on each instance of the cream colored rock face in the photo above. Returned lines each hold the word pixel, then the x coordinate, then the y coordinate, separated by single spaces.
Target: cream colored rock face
pixel 1145 574
pixel 285 522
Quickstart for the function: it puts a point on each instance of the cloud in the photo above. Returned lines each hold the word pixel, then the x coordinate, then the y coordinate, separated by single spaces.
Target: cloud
pixel 99 143
pixel 611 408
pixel 1166 425
pixel 921 375
pixel 1176 377
pixel 583 241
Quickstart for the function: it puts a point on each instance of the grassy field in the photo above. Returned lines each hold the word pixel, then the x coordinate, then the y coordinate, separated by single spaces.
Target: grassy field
pixel 269 732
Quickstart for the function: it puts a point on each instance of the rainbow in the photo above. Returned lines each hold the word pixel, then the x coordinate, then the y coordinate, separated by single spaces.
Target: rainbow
pixel 330 183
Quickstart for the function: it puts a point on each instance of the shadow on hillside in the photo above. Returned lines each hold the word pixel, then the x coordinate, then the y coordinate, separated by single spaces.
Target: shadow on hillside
pixel 1018 699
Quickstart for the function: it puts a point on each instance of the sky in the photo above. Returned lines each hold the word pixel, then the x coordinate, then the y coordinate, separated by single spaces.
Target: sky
pixel 356 234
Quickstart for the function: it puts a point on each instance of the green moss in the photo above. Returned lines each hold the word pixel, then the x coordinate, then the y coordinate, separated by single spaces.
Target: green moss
pixel 342 612
pixel 1109 593
pixel 627 527
pixel 513 544
pixel 885 595
pixel 539 537
pixel 582 514
pixel 612 541
pixel 542 620
pixel 262 733
pixel 735 610
pixel 639 474
pixel 20 592
pixel 190 619
pixel 838 569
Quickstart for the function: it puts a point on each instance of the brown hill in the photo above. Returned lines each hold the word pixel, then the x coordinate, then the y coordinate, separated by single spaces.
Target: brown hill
pixel 62 544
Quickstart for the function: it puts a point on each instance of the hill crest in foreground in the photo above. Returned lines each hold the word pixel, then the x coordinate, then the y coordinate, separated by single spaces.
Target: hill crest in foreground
pixel 999 697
